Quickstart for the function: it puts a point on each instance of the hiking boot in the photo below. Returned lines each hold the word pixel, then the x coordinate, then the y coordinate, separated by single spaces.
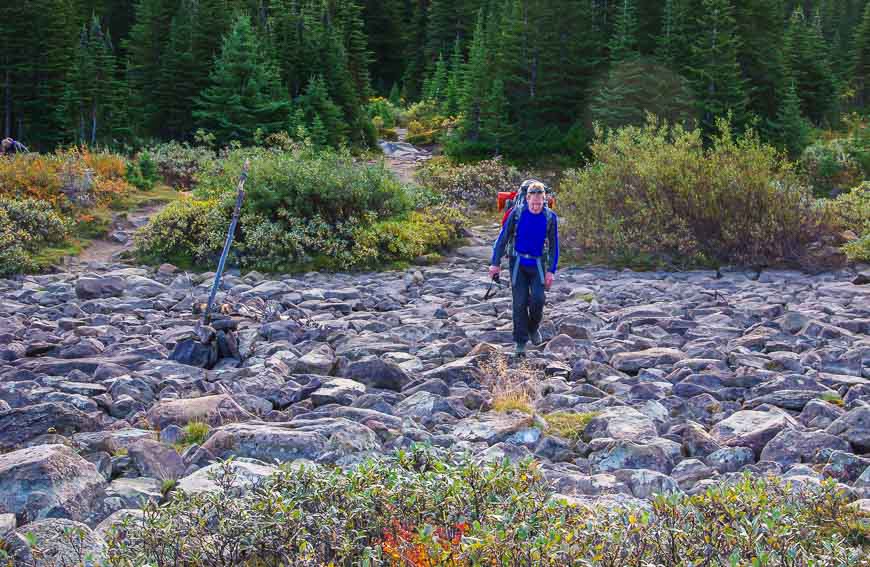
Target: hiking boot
pixel 537 337
pixel 520 349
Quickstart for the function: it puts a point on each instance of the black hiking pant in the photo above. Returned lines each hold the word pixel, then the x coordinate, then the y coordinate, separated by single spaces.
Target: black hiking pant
pixel 528 301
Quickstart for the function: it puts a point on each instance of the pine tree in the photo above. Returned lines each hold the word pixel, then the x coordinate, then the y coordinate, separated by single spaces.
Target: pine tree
pixel 395 96
pixel 861 60
pixel 40 43
pixel 176 90
pixel 322 117
pixel 454 82
pixel 475 81
pixel 412 78
pixel 791 129
pixel 245 92
pixel 385 30
pixel 640 85
pixel 761 25
pixel 145 50
pixel 623 43
pixel 673 44
pixel 806 57
pixel 90 106
pixel 714 70
pixel 571 55
pixel 435 88
pixel 348 16
pixel 495 123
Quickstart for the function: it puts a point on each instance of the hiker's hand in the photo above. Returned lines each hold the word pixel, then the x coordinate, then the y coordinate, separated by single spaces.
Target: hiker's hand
pixel 494 271
pixel 548 280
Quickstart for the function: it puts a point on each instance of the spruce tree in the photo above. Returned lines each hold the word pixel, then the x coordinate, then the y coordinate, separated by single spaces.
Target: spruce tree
pixel 40 43
pixel 145 49
pixel 385 29
pixel 761 25
pixel 176 88
pixel 435 88
pixel 714 70
pixel 245 92
pixel 495 122
pixel 791 129
pixel 806 56
pixel 320 114
pixel 348 16
pixel 861 60
pixel 454 82
pixel 90 107
pixel 623 43
pixel 475 87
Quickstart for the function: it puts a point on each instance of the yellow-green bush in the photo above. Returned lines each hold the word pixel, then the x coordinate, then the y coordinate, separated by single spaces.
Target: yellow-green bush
pixel 27 226
pixel 851 212
pixel 187 233
pixel 401 239
pixel 656 192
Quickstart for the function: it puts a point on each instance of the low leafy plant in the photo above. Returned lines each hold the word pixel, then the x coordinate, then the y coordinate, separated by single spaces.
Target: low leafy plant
pixel 424 507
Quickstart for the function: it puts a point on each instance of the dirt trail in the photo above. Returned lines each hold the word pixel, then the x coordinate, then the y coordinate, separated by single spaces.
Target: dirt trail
pixel 120 236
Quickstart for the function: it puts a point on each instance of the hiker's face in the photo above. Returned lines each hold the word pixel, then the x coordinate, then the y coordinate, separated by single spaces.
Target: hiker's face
pixel 536 202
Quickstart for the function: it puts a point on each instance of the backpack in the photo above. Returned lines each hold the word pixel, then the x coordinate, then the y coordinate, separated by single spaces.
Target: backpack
pixel 515 206
pixel 508 200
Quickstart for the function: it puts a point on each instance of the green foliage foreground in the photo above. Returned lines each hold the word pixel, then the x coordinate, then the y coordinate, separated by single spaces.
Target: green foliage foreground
pixel 422 508
pixel 305 208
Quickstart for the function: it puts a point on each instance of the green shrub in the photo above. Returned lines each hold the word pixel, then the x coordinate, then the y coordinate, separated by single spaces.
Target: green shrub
pixel 830 164
pixel 657 193
pixel 187 233
pixel 475 185
pixel 26 227
pixel 400 240
pixel 305 184
pixel 421 508
pixel 385 110
pixel 142 172
pixel 304 209
pixel 851 212
pixel 177 164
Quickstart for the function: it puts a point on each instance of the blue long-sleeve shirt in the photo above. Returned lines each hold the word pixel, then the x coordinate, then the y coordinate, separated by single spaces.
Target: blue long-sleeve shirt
pixel 529 239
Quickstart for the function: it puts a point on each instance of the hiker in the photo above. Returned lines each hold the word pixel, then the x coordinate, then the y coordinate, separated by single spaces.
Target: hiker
pixel 530 236
pixel 8 146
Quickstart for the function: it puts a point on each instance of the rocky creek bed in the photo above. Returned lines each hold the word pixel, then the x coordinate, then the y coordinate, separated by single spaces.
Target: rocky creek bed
pixel 692 379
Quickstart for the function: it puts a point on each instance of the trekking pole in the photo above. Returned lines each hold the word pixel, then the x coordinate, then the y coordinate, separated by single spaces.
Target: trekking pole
pixel 492 284
pixel 240 196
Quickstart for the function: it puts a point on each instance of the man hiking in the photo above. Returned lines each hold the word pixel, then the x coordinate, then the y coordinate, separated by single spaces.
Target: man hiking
pixel 530 235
